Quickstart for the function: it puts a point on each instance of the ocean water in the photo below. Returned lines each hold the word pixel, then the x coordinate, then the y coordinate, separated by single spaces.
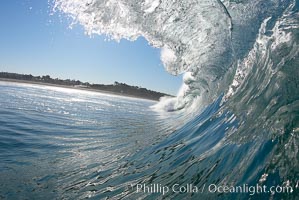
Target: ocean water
pixel 230 133
pixel 61 143
pixel 56 141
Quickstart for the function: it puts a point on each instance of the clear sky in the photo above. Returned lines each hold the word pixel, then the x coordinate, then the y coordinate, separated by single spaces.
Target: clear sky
pixel 32 41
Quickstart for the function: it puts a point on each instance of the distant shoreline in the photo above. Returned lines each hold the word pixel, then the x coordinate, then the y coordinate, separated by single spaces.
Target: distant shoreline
pixel 74 88
pixel 119 89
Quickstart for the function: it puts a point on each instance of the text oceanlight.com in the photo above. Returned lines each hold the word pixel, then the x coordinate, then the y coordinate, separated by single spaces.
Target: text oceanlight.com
pixel 210 188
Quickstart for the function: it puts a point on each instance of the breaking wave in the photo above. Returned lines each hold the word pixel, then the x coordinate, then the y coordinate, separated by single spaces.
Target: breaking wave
pixel 210 41
pixel 239 58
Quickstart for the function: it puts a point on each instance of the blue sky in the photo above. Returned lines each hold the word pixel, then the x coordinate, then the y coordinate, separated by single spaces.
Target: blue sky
pixel 32 41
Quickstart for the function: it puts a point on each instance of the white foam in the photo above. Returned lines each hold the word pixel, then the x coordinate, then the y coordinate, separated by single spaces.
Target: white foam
pixel 196 37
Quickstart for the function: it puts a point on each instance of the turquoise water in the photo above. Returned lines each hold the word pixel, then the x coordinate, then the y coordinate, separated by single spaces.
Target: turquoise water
pixel 59 143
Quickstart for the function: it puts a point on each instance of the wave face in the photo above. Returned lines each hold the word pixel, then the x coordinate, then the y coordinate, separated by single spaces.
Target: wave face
pixel 240 96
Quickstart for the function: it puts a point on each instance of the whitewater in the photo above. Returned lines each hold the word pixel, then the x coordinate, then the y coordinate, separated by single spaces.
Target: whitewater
pixel 234 123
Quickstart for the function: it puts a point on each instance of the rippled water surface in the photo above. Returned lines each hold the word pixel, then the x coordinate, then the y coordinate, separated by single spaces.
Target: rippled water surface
pixel 55 140
pixel 58 143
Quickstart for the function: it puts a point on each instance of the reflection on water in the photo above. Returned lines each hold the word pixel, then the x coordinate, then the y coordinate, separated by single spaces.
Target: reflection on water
pixel 75 145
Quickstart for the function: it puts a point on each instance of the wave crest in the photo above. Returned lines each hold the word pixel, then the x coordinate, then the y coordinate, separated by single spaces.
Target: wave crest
pixel 207 40
pixel 192 38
